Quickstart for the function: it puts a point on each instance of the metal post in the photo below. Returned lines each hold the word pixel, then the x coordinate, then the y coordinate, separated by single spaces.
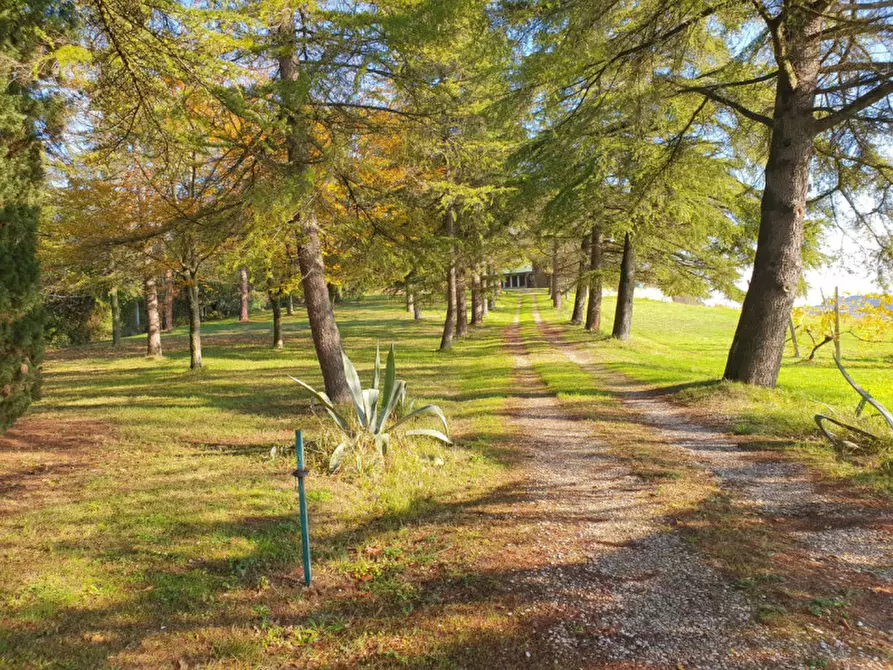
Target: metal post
pixel 300 473
pixel 837 323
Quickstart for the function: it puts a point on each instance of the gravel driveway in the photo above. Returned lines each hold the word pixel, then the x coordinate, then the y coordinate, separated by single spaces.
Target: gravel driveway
pixel 633 593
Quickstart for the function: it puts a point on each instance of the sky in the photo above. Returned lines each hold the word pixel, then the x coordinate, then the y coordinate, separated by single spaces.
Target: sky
pixel 847 270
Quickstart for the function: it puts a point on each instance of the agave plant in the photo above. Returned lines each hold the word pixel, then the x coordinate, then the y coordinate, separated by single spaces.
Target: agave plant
pixel 375 410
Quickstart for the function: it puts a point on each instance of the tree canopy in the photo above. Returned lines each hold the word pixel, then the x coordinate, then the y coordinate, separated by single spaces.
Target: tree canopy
pixel 327 148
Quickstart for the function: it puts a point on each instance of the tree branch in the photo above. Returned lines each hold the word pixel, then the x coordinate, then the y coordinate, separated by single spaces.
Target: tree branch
pixel 710 93
pixel 848 111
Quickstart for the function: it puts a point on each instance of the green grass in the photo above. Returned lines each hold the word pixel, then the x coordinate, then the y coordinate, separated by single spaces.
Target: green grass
pixel 682 350
pixel 148 520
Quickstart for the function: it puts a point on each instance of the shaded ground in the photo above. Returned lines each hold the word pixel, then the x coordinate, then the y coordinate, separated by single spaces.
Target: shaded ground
pixel 44 459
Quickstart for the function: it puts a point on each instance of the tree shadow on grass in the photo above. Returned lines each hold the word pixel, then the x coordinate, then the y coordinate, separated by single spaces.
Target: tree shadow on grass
pixel 484 605
pixel 171 602
pixel 675 389
pixel 170 595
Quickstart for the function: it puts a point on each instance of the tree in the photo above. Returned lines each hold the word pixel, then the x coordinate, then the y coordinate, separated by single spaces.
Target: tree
pixel 623 317
pixel 451 319
pixel 153 317
pixel 618 152
pixel 169 294
pixel 802 82
pixel 243 295
pixel 29 115
pixel 830 87
pixel 458 137
pixel 581 288
pixel 594 304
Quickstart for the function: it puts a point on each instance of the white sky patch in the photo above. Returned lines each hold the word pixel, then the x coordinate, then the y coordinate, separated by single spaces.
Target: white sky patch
pixel 848 270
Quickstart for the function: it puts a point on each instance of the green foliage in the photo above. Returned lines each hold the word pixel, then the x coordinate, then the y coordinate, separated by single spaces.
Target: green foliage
pixel 76 320
pixel 612 146
pixel 27 115
pixel 374 408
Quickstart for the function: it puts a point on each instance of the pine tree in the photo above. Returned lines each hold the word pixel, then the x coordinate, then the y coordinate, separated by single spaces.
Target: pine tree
pixel 800 89
pixel 26 115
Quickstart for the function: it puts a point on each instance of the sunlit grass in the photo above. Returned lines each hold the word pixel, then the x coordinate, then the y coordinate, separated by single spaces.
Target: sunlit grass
pixel 149 512
pixel 154 508
pixel 682 349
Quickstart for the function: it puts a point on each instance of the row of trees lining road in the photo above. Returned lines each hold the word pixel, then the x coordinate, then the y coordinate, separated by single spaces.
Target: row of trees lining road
pixel 319 147
pixel 801 86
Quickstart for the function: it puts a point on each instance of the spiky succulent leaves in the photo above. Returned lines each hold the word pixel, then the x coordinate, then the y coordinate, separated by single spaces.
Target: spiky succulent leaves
pixel 340 422
pixel 338 455
pixel 389 404
pixel 428 432
pixel 327 403
pixel 319 395
pixel 382 442
pixel 370 406
pixel 388 397
pixel 427 409
pixel 356 390
pixel 376 371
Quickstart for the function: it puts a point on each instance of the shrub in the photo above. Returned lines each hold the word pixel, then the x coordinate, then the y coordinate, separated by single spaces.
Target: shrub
pixel 378 412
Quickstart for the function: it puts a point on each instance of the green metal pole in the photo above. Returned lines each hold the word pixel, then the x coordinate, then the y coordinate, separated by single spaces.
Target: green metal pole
pixel 300 473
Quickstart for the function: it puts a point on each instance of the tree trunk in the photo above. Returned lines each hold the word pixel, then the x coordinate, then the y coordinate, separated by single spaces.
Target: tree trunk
pixel 485 294
pixel 554 284
pixel 274 293
pixel 477 300
pixel 326 337
pixel 290 305
pixel 757 348
pixel 494 289
pixel 449 323
pixel 408 281
pixel 623 316
pixel 136 313
pixel 461 305
pixel 116 316
pixel 168 300
pixel 276 306
pixel 582 288
pixel 195 321
pixel 243 316
pixel 417 311
pixel 153 318
pixel 334 294
pixel 594 307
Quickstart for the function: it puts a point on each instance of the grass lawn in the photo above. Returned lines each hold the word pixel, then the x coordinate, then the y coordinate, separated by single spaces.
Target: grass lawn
pixel 148 516
pixel 146 523
pixel 682 349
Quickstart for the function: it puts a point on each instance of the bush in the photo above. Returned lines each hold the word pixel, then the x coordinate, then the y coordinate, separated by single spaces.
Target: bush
pixel 76 320
pixel 378 412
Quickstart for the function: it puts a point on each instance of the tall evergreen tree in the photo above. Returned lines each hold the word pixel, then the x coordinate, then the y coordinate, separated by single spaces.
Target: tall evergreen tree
pixel 799 88
pixel 26 115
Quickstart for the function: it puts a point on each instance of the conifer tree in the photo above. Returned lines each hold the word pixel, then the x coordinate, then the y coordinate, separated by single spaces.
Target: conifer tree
pixel 27 115
pixel 800 89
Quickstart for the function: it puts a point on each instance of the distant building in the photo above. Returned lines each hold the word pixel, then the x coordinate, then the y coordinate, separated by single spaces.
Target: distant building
pixel 518 278
pixel 525 276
